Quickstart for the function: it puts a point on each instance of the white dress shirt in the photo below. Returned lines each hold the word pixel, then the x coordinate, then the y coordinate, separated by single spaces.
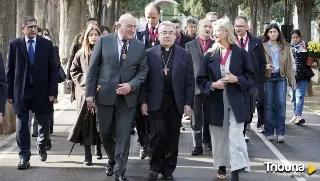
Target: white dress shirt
pixel 244 39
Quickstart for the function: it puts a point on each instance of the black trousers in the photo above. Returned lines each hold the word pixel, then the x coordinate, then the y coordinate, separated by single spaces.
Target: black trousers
pixel 165 126
pixel 260 102
pixel 142 125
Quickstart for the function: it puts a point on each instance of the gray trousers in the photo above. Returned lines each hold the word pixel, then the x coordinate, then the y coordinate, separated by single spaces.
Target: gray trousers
pixel 115 133
pixel 228 144
pixel 199 119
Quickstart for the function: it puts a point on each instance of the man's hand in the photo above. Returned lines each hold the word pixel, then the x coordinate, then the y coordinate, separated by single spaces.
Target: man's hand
pixel 314 64
pixel 187 110
pixel 218 85
pixel 144 109
pixel 1 118
pixel 90 104
pixel 293 87
pixel 51 98
pixel 9 101
pixel 230 78
pixel 124 89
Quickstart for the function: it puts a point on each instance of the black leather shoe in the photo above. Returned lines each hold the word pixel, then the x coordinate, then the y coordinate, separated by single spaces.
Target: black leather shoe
pixel 49 145
pixel 143 152
pixel 197 151
pixel 34 135
pixel 153 176
pixel 167 177
pixel 98 151
pixel 133 131
pixel 23 164
pixel 109 170
pixel 121 178
pixel 42 154
pixel 88 160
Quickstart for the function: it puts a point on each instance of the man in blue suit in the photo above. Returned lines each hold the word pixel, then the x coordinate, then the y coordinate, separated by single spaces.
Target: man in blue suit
pixel 32 80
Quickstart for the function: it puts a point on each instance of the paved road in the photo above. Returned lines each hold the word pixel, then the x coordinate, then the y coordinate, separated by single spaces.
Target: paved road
pixel 302 145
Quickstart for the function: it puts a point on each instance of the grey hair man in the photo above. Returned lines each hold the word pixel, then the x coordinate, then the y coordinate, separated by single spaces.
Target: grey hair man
pixel 118 65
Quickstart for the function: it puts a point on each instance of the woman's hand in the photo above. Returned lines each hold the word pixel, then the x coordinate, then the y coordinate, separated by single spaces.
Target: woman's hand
pixel 269 67
pixel 230 78
pixel 218 85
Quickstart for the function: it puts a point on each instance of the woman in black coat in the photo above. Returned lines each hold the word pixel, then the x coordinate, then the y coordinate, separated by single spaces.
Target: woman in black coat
pixel 225 77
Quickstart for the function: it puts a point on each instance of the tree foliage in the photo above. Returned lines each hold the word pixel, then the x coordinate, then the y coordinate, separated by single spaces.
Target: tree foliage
pixel 136 7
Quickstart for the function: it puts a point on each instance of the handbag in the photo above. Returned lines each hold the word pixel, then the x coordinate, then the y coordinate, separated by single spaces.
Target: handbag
pixel 62 75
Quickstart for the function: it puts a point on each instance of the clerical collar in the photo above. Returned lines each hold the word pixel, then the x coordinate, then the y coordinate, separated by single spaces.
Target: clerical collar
pixel 167 49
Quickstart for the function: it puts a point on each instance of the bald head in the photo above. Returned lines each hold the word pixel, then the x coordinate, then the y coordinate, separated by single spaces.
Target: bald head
pixel 205 29
pixel 127 26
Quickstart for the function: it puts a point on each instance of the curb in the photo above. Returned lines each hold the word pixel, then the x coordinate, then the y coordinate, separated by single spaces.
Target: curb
pixel 11 137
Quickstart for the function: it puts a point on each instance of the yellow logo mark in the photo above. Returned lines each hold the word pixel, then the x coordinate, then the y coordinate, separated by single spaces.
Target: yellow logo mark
pixel 311 169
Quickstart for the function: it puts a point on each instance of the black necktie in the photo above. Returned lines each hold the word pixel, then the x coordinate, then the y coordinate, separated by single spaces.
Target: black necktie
pixel 241 41
pixel 123 55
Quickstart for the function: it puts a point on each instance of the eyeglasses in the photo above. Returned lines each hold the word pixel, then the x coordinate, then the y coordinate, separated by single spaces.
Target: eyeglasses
pixel 32 26
pixel 167 33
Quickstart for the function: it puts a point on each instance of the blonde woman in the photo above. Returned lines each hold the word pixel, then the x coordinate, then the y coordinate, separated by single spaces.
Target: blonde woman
pixel 279 69
pixel 84 130
pixel 225 77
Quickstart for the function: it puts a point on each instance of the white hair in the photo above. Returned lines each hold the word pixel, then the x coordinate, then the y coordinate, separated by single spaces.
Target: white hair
pixel 125 17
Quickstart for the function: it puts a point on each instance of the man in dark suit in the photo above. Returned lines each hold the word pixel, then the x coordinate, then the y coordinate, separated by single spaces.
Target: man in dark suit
pixel 3 89
pixel 118 64
pixel 149 35
pixel 253 45
pixel 167 94
pixel 181 39
pixel 32 80
pixel 191 29
pixel 197 49
pixel 150 39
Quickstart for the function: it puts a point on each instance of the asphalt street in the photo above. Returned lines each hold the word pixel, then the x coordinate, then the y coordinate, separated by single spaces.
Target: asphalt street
pixel 301 146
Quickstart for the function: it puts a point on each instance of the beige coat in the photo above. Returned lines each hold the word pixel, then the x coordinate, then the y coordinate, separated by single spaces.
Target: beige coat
pixel 285 62
pixel 84 130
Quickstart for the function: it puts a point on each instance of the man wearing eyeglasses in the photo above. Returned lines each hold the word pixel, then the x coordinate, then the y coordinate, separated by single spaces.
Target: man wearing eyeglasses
pixel 253 45
pixel 167 94
pixel 32 80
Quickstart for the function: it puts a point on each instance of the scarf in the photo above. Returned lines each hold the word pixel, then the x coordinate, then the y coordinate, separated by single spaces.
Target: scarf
pixel 300 47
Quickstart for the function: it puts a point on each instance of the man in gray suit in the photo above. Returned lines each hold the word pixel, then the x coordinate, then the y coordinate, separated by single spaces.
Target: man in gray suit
pixel 118 65
pixel 197 48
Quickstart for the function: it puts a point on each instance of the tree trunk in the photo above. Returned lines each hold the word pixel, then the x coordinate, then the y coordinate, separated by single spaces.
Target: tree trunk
pixel 233 11
pixel 84 15
pixel 118 5
pixel 41 12
pixel 305 17
pixel 111 13
pixel 264 7
pixel 254 17
pixel 96 9
pixel 69 25
pixel 8 17
pixel 53 20
pixel 24 8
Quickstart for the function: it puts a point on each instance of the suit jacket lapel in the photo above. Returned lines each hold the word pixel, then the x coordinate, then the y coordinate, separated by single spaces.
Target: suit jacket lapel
pixel 266 48
pixel 23 47
pixel 37 48
pixel 176 59
pixel 196 44
pixel 233 58
pixel 215 64
pixel 146 35
pixel 159 61
pixel 115 40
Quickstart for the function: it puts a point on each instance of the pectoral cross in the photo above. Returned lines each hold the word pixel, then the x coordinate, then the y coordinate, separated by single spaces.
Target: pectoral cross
pixel 165 70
